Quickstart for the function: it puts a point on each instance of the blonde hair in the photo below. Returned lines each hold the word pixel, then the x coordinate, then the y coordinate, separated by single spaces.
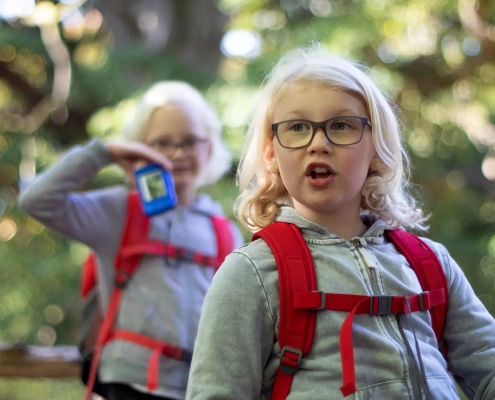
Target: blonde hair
pixel 184 96
pixel 384 193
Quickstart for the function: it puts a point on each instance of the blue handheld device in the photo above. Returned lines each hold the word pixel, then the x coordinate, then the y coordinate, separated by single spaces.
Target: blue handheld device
pixel 156 189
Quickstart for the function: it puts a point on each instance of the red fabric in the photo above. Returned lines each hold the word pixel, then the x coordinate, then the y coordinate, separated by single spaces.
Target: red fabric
pixel 346 302
pixel 299 299
pixel 136 227
pixel 225 238
pixel 131 250
pixel 89 275
pixel 159 348
pixel 157 248
pixel 363 305
pixel 296 275
pixel 428 269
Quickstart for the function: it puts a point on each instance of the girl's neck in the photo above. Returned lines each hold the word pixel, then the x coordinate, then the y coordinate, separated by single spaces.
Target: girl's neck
pixel 344 224
pixel 186 198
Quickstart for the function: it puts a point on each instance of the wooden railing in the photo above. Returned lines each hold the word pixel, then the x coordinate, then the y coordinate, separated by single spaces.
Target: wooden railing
pixel 20 361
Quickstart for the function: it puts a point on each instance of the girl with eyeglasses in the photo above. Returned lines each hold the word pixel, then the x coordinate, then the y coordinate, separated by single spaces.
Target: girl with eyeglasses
pixel 148 353
pixel 324 154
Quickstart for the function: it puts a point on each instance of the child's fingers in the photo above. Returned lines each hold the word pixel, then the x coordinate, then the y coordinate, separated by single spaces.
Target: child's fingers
pixel 133 152
pixel 144 154
pixel 158 158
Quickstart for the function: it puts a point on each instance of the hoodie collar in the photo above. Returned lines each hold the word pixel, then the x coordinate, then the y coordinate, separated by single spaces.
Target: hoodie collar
pixel 374 234
pixel 203 204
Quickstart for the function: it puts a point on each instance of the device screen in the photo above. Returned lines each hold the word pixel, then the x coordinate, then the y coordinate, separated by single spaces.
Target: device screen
pixel 152 185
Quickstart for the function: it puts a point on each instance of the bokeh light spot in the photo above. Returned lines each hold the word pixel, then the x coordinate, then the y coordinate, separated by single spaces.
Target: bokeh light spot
pixel 471 46
pixel 488 168
pixel 46 335
pixel 53 314
pixel 487 211
pixel 8 229
pixel 455 180
pixel 241 43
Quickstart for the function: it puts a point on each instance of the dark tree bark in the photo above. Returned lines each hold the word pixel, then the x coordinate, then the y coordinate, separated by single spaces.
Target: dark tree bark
pixel 185 31
pixel 189 30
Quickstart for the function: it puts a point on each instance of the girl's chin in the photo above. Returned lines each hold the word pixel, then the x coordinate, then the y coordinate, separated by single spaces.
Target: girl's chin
pixel 184 182
pixel 181 177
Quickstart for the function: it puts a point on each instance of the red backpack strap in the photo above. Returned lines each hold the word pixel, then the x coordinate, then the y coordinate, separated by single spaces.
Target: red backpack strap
pixel 225 238
pixel 429 271
pixel 296 274
pixel 89 274
pixel 135 228
pixel 225 245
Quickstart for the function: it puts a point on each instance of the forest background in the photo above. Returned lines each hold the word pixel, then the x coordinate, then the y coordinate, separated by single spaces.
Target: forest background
pixel 72 70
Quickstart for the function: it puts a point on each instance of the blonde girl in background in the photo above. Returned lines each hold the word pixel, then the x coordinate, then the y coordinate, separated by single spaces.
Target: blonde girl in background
pixel 175 127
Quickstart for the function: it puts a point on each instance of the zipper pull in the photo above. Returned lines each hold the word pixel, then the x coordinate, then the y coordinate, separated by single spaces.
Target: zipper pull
pixel 360 244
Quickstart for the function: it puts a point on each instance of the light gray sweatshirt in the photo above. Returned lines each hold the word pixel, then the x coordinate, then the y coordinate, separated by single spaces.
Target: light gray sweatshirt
pixel 237 351
pixel 163 300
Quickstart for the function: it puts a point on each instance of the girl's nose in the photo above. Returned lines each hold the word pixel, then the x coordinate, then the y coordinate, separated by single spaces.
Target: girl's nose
pixel 320 142
pixel 176 152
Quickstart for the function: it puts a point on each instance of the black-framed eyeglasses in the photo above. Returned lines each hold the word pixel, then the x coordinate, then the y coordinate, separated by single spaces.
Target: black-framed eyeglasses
pixel 189 146
pixel 340 131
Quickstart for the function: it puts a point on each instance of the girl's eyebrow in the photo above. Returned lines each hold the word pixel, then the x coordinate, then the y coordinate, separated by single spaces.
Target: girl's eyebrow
pixel 337 113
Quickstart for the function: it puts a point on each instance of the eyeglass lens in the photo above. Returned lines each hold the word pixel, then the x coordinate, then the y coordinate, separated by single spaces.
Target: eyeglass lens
pixel 340 131
pixel 188 146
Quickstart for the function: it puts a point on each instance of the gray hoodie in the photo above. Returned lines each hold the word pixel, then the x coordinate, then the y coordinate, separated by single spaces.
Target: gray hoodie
pixel 162 300
pixel 237 351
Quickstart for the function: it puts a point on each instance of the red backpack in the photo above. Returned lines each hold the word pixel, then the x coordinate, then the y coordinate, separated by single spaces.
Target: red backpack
pixel 136 243
pixel 300 300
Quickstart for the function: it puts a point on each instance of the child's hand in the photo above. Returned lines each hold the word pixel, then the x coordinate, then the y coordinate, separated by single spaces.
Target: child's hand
pixel 131 155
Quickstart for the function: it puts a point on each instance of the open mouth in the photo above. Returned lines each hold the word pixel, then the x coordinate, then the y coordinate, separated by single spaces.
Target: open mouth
pixel 320 173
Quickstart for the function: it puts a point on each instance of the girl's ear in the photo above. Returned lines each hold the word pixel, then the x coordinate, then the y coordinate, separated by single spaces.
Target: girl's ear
pixel 376 164
pixel 270 159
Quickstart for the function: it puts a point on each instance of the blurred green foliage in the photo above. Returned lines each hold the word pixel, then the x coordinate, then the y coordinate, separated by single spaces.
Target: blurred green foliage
pixel 40 389
pixel 434 57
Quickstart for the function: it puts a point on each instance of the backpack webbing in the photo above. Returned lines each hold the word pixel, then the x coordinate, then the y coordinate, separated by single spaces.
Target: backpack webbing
pixel 133 246
pixel 299 299
pixel 124 268
pixel 428 270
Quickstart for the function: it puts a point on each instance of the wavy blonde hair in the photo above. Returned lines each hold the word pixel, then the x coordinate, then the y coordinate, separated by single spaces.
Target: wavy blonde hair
pixel 385 193
pixel 183 96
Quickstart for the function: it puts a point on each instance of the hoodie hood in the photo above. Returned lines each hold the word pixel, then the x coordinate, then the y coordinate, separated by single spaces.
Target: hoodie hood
pixel 374 234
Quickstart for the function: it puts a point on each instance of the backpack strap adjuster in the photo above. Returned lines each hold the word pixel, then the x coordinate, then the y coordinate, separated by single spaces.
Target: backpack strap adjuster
pixel 184 253
pixel 121 279
pixel 186 356
pixel 288 363
pixel 383 305
pixel 322 301
pixel 424 297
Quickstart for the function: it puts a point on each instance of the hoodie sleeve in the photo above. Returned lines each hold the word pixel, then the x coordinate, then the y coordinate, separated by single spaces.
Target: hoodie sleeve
pixel 469 335
pixel 233 342
pixel 93 217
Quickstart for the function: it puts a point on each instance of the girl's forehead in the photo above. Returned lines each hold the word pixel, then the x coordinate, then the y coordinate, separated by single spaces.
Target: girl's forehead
pixel 304 85
pixel 174 107
pixel 306 97
pixel 175 120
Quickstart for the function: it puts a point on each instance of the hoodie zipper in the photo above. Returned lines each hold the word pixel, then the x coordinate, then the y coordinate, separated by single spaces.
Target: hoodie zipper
pixel 360 244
